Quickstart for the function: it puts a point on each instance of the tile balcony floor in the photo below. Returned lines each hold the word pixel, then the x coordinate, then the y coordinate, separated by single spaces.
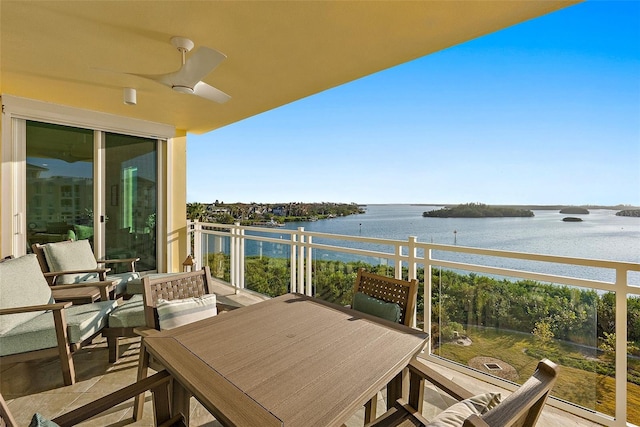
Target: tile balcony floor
pixel 37 386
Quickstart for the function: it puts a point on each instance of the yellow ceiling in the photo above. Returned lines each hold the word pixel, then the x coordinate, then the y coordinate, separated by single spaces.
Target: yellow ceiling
pixel 277 51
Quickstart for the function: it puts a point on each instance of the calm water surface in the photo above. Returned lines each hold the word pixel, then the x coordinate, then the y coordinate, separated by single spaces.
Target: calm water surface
pixel 601 235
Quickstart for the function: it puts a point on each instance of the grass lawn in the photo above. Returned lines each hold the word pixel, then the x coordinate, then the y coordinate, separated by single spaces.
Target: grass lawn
pixel 585 388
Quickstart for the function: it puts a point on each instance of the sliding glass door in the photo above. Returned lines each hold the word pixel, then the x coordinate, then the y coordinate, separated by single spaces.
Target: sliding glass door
pixel 62 163
pixel 131 202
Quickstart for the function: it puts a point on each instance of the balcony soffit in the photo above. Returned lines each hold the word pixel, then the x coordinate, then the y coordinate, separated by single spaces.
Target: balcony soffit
pixel 277 52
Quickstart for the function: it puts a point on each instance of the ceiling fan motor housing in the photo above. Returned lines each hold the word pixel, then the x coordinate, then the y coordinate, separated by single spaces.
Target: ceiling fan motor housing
pixel 183 44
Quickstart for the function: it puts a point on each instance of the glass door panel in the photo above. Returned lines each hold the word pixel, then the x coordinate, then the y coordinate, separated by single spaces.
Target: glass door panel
pixel 59 183
pixel 131 199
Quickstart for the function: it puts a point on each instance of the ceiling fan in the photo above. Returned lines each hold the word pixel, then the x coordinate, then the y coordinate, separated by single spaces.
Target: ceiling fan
pixel 188 78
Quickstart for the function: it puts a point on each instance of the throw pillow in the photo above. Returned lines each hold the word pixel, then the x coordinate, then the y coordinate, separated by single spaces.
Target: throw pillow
pixel 178 312
pixel 382 309
pixel 40 421
pixel 455 415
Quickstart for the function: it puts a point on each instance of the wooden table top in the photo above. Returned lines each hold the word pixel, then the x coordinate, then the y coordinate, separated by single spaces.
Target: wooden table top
pixel 289 361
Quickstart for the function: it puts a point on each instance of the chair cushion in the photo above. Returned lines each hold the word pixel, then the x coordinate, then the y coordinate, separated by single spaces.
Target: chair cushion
pixel 65 256
pixel 40 421
pixel 455 415
pixel 370 305
pixel 21 284
pixel 39 333
pixel 178 312
pixel 128 315
pixel 123 280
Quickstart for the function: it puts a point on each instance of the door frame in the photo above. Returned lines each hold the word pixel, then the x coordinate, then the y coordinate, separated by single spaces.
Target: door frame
pixel 17 111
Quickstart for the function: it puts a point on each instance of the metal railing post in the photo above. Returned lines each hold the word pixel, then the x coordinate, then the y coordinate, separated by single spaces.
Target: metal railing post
pixel 427 292
pixel 241 255
pixel 197 244
pixel 413 269
pixel 300 268
pixel 398 261
pixel 293 285
pixel 621 347
pixel 413 254
pixel 309 268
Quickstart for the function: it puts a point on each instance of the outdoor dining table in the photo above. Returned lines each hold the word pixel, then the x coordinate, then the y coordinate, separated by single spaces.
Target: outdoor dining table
pixel 290 361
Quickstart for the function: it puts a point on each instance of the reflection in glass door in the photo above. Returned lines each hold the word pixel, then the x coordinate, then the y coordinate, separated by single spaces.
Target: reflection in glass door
pixel 131 199
pixel 59 183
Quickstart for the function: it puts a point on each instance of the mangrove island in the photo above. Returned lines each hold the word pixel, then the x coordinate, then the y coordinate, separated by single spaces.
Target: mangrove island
pixel 478 210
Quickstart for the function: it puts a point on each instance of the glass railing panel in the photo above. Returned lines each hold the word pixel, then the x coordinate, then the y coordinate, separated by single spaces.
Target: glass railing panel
pixel 334 273
pixel 633 359
pixel 267 266
pixel 503 326
pixel 216 253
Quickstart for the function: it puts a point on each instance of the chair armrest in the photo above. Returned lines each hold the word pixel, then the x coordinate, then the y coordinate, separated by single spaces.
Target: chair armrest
pixel 131 261
pixel 437 379
pixel 158 383
pixel 29 308
pixel 106 287
pixel 145 331
pixel 106 284
pixel 53 275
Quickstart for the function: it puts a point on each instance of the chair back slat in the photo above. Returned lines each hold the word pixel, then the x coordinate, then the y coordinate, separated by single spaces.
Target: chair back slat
pixel 388 289
pixel 38 249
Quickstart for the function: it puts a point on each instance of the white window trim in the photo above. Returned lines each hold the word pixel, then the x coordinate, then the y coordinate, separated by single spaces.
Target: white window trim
pixel 29 109
pixel 15 111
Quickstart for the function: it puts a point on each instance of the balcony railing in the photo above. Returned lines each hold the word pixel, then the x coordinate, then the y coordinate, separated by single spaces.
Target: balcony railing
pixel 491 313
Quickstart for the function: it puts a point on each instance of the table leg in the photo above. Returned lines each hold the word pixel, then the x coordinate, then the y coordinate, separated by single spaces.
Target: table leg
pixel 370 409
pixel 143 369
pixel 398 388
pixel 180 399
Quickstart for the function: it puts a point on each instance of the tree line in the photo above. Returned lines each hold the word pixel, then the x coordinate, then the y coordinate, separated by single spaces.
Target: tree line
pixel 255 213
pixel 581 316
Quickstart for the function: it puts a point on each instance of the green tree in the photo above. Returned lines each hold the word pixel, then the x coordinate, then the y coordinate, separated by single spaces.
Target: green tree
pixel 196 211
pixel 543 333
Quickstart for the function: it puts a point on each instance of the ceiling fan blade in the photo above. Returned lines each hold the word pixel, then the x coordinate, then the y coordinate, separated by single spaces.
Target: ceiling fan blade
pixel 164 79
pixel 197 66
pixel 206 91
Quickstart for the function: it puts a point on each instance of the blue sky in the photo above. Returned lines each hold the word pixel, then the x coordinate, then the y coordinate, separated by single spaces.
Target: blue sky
pixel 546 112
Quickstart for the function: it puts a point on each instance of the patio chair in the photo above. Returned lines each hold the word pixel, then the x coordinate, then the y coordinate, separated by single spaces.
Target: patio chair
pixel 158 384
pixel 390 299
pixel 522 408
pixel 74 262
pixel 171 301
pixel 33 325
pixel 130 315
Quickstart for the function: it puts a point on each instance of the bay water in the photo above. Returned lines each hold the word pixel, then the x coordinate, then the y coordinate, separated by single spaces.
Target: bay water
pixel 600 235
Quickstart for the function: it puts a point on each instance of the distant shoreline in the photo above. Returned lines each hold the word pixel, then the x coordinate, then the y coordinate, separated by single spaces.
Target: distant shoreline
pixel 531 207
